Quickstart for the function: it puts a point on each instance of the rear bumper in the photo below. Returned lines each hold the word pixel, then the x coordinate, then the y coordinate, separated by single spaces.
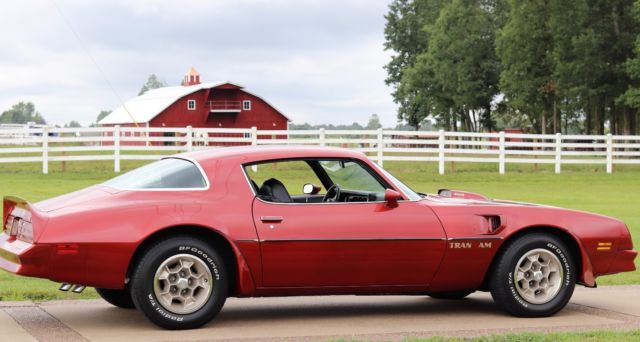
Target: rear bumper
pixel 24 258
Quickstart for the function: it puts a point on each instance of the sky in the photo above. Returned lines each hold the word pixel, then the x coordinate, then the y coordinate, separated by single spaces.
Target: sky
pixel 316 61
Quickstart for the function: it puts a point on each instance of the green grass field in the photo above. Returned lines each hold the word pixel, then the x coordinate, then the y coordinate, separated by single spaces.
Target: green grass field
pixel 578 187
pixel 591 336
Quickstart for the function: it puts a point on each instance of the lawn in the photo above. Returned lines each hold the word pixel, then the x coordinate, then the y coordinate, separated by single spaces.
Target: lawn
pixel 584 188
pixel 591 336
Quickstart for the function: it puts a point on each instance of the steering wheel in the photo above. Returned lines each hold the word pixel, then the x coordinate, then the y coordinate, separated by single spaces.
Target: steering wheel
pixel 333 194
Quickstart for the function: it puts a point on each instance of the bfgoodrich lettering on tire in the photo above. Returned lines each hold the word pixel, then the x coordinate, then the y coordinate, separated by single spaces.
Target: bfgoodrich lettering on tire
pixel 180 283
pixel 534 276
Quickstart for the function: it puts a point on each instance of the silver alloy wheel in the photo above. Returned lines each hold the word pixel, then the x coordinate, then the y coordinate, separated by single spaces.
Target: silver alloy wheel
pixel 183 284
pixel 538 276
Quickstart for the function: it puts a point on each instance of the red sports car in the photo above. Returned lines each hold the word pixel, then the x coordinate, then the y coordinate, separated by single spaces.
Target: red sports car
pixel 178 236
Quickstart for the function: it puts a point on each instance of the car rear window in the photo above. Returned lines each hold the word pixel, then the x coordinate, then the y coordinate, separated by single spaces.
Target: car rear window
pixel 169 173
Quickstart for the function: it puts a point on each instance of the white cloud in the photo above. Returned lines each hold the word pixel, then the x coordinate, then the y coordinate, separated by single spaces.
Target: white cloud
pixel 318 61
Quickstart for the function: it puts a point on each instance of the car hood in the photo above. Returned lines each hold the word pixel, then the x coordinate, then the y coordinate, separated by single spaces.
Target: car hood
pixel 81 198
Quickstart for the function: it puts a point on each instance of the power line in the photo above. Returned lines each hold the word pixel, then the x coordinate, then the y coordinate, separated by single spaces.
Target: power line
pixel 95 63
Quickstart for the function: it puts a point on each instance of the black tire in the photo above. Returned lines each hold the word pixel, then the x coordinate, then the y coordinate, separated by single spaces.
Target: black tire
pixel 142 283
pixel 119 298
pixel 505 291
pixel 452 295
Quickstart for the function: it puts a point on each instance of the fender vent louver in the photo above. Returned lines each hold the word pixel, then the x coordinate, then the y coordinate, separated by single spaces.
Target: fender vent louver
pixel 495 222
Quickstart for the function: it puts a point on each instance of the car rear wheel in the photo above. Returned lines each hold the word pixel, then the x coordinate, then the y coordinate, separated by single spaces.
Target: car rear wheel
pixel 450 295
pixel 119 298
pixel 180 283
pixel 534 276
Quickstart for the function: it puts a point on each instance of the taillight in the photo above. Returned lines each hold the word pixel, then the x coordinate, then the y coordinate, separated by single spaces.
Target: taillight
pixel 8 224
pixel 25 232
pixel 15 226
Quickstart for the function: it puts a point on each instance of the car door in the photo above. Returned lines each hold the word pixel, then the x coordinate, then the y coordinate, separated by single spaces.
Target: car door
pixel 347 244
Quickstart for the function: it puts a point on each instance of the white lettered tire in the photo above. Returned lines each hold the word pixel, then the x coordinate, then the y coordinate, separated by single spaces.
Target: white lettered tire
pixel 180 283
pixel 534 276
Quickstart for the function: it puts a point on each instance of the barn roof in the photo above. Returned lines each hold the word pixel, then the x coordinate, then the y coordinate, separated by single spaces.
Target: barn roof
pixel 147 106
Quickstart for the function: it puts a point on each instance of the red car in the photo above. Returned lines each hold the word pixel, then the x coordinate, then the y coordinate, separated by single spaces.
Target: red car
pixel 178 236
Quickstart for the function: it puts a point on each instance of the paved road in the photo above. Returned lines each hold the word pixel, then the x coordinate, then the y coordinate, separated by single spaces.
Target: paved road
pixel 320 318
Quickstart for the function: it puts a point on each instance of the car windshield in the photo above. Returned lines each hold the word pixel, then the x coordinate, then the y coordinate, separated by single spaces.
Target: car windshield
pixel 407 190
pixel 169 173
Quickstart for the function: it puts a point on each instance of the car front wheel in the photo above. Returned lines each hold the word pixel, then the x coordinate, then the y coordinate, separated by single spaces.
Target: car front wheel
pixel 534 276
pixel 180 283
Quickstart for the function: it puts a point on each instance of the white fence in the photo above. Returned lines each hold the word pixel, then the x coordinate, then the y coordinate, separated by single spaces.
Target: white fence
pixel 45 145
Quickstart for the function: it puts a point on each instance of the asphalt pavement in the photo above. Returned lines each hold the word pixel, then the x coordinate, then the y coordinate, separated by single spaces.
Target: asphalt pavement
pixel 321 318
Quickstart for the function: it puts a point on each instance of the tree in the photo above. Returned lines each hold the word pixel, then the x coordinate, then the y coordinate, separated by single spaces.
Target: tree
pixel 460 66
pixel 73 124
pixel 374 122
pixel 524 46
pixel 152 83
pixel 22 113
pixel 407 35
pixel 102 115
pixel 631 96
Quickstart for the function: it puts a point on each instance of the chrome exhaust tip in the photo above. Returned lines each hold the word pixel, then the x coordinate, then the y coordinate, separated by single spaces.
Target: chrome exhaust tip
pixel 78 288
pixel 65 287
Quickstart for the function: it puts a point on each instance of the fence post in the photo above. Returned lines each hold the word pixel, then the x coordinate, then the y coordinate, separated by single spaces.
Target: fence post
pixel 501 158
pixel 558 152
pixel 45 150
pixel 380 147
pixel 441 152
pixel 323 137
pixel 609 153
pixel 254 135
pixel 116 148
pixel 189 138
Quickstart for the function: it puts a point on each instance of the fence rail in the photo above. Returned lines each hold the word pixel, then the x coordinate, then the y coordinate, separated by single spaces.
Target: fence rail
pixel 48 144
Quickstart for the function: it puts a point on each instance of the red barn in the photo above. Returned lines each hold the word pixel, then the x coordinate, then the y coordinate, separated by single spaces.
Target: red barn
pixel 200 105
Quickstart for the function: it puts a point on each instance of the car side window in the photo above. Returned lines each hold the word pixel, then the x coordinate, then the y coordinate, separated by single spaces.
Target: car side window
pixel 293 174
pixel 314 181
pixel 351 175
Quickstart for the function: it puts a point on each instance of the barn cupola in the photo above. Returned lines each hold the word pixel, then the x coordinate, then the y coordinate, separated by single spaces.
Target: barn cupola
pixel 192 77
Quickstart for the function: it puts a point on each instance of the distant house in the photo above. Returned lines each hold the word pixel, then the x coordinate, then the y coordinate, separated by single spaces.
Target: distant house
pixel 200 105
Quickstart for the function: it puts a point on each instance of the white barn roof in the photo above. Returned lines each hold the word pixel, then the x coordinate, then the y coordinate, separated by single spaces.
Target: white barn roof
pixel 147 106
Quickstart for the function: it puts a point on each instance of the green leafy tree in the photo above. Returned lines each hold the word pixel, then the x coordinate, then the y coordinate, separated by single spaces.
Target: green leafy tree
pixel 463 65
pixel 374 122
pixel 102 115
pixel 152 83
pixel 407 34
pixel 631 97
pixel 22 113
pixel 525 48
pixel 73 124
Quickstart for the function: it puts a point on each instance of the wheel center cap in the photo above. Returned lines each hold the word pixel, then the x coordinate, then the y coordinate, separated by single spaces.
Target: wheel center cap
pixel 182 283
pixel 537 276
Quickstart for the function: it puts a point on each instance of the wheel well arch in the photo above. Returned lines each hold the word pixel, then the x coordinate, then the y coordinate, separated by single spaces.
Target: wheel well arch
pixel 563 235
pixel 208 235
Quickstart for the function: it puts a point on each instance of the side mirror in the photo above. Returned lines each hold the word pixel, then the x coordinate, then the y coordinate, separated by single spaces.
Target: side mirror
pixel 310 189
pixel 391 197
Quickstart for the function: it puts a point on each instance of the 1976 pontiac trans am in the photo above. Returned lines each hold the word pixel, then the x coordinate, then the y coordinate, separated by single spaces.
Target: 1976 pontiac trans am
pixel 178 236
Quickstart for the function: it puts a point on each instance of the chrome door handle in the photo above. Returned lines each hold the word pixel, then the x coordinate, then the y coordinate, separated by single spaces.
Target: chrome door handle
pixel 271 218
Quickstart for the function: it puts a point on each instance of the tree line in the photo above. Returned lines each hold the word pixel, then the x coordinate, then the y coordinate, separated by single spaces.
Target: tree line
pixel 543 66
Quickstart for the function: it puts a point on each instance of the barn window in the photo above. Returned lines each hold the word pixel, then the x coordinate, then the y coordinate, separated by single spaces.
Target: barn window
pixel 191 105
pixel 246 105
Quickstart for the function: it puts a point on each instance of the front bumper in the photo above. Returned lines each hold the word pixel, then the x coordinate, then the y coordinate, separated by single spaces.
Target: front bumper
pixel 623 261
pixel 24 258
